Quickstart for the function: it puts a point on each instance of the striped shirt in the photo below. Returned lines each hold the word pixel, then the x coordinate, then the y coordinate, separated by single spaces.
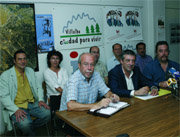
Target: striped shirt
pixel 82 91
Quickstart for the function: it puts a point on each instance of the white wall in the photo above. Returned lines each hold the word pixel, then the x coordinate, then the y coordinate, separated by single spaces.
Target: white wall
pixel 149 17
pixel 45 7
pixel 172 11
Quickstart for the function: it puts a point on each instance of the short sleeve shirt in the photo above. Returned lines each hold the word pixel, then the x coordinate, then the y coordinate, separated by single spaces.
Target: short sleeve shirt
pixel 82 91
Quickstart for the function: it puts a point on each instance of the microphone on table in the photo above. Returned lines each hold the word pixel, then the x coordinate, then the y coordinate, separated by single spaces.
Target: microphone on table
pixel 173 77
pixel 173 81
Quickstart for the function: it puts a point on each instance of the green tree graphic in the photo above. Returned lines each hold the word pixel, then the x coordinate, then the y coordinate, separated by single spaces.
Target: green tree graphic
pixel 87 29
pixel 92 29
pixel 97 27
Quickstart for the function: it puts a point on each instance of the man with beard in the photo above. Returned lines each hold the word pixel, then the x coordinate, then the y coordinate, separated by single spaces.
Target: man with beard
pixel 84 86
pixel 141 58
pixel 99 67
pixel 157 70
pixel 126 79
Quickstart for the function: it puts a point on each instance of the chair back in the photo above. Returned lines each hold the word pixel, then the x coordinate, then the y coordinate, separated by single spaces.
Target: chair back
pixel 45 91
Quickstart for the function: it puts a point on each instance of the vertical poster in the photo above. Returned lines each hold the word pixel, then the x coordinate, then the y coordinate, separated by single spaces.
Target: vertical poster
pixel 17 31
pixel 44 32
pixel 122 24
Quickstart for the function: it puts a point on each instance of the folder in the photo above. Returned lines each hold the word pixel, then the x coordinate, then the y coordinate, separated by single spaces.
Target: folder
pixel 110 110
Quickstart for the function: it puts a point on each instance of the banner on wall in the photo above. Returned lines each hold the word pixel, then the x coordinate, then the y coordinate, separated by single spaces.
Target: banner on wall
pixel 70 57
pixel 122 24
pixel 78 26
pixel 44 32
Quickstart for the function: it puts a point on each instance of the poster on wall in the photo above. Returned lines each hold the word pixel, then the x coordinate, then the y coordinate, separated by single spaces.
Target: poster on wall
pixel 174 33
pixel 70 58
pixel 44 32
pixel 17 31
pixel 122 24
pixel 77 26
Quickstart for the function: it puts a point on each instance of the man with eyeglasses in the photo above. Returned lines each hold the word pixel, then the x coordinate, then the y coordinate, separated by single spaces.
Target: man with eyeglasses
pixel 84 87
pixel 158 69
pixel 99 67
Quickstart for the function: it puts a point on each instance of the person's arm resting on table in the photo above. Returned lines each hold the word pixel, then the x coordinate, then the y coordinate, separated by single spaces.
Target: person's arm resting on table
pixel 75 106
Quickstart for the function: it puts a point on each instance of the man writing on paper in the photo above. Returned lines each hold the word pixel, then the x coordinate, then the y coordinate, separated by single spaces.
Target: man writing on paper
pixel 84 86
pixel 126 79
pixel 158 69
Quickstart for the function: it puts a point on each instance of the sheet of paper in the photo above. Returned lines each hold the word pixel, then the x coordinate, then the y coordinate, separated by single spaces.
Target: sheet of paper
pixel 161 93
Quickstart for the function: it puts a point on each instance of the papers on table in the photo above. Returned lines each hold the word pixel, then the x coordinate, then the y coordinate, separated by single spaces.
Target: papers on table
pixel 161 93
pixel 108 111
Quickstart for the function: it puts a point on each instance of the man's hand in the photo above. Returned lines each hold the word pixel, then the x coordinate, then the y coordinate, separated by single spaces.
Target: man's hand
pixel 20 115
pixel 42 104
pixel 59 89
pixel 114 98
pixel 142 91
pixel 163 84
pixel 103 103
pixel 154 91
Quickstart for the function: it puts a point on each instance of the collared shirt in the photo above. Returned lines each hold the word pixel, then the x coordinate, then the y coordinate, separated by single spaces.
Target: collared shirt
pixel 24 93
pixel 154 72
pixel 129 82
pixel 142 61
pixel 112 62
pixel 82 91
pixel 54 81
pixel 101 68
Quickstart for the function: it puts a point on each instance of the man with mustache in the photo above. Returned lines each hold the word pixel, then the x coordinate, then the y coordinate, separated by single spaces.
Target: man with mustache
pixel 126 80
pixel 158 69
pixel 84 86
pixel 141 58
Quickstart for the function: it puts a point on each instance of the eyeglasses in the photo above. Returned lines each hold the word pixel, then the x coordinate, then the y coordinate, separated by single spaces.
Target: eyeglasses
pixel 87 64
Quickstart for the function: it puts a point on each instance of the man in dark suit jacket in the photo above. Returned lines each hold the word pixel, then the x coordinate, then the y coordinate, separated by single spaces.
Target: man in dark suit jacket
pixel 126 79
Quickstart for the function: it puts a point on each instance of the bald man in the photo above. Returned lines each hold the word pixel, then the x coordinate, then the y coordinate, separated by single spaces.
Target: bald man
pixel 84 87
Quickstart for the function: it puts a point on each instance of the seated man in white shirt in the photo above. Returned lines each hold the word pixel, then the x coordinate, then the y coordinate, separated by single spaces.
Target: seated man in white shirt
pixel 114 60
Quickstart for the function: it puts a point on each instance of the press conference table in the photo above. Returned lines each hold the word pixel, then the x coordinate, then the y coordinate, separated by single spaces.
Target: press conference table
pixel 155 117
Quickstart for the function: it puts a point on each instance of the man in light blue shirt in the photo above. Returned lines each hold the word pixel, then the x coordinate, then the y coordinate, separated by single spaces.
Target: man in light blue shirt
pixel 84 86
pixel 115 60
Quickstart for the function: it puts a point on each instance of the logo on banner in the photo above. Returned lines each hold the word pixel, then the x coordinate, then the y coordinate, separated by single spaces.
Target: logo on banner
pixel 84 32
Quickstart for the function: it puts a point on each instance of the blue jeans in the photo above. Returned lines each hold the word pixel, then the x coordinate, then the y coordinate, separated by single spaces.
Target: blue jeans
pixel 42 116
